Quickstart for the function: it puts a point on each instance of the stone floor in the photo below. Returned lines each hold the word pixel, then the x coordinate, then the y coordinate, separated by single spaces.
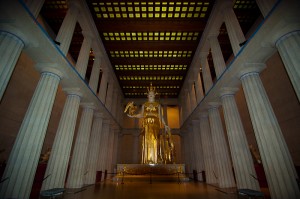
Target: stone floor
pixel 147 190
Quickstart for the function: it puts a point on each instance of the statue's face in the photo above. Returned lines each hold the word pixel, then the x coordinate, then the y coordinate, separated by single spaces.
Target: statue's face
pixel 151 96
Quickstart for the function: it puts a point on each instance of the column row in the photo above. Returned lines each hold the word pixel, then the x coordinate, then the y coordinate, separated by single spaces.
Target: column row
pixel 22 163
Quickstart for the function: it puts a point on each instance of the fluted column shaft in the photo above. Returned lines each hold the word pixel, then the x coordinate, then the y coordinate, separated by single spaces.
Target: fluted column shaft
pixel 114 102
pixel 289 47
pixel 10 50
pixel 240 153
pixel 57 165
pixel 280 171
pixel 235 33
pixel 198 148
pixel 24 157
pixel 206 74
pixel 199 89
pixel 77 164
pixel 110 149
pixel 208 150
pixel 103 146
pixel 115 152
pixel 187 151
pixel 187 103
pixel 217 55
pixel 65 33
pixel 193 97
pixel 103 87
pixel 93 149
pixel 265 6
pixel 83 58
pixel 95 74
pixel 108 100
pixel 225 174
pixel 35 6
pixel 135 148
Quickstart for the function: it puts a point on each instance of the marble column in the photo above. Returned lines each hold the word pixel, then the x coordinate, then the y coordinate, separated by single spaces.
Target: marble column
pixel 265 6
pixel 102 159
pixel 94 79
pixel 199 89
pixel 235 33
pixel 23 160
pixel 187 151
pixel 57 165
pixel 240 153
pixel 109 99
pixel 83 57
pixel 208 150
pixel 182 148
pixel 77 164
pixel 136 142
pixel 193 96
pixel 110 149
pixel 103 86
pixel 35 6
pixel 93 149
pixel 224 168
pixel 198 148
pixel 116 144
pixel 276 159
pixel 217 55
pixel 65 33
pixel 289 47
pixel 10 49
pixel 206 72
pixel 114 103
pixel 187 102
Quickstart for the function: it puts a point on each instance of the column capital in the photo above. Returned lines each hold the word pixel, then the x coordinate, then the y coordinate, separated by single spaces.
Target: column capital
pixel 87 34
pixel 89 105
pixel 73 91
pixel 98 115
pixel 213 105
pixel 73 5
pixel 203 114
pixel 106 121
pixel 286 35
pixel 228 91
pixel 10 30
pixel 49 68
pixel 250 68
pixel 203 55
pixel 213 35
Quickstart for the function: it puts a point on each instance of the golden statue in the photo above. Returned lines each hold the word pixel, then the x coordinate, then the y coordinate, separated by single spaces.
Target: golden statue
pixel 157 148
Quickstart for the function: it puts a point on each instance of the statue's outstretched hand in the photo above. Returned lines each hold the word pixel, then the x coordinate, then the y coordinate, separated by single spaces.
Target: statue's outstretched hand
pixel 130 108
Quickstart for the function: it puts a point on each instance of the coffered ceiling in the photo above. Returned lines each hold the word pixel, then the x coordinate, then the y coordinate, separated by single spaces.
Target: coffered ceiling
pixel 150 41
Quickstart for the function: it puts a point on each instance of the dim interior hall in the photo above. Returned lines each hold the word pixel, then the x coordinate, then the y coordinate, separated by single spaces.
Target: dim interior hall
pixel 226 78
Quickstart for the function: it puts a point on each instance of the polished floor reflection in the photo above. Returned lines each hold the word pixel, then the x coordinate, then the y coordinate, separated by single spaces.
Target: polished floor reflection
pixel 145 190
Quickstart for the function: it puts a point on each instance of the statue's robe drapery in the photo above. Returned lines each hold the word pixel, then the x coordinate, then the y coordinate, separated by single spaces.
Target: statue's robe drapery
pixel 151 128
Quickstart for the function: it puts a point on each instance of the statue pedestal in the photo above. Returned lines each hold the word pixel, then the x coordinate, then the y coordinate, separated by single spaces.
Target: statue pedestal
pixel 146 172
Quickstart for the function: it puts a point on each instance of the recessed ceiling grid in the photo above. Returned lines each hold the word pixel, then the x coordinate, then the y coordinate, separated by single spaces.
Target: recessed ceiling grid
pixel 151 36
pixel 150 39
pixel 151 9
pixel 148 50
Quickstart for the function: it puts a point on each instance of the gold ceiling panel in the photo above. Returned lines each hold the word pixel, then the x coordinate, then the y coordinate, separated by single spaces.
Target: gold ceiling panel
pixel 151 67
pixel 156 53
pixel 150 9
pixel 150 36
pixel 151 78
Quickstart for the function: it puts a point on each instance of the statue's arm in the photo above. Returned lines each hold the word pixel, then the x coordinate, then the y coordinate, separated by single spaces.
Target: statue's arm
pixel 139 115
